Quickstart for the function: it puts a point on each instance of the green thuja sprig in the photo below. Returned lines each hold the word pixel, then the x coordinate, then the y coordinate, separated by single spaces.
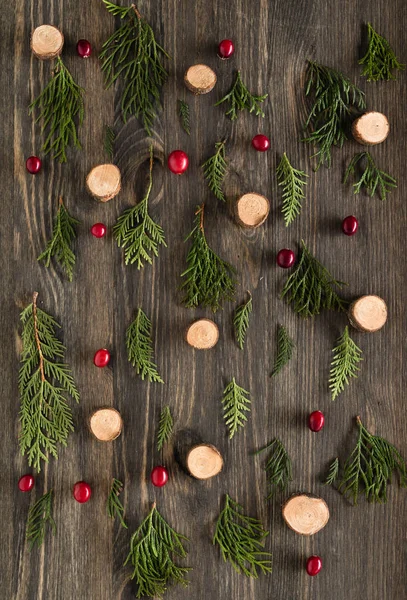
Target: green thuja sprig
pixel 215 170
pixel 109 140
pixel 241 320
pixel 379 60
pixel 44 382
pixel 278 467
pixel 165 427
pixel 154 547
pixel 39 516
pixel 333 472
pixel 114 507
pixel 239 98
pixel 333 98
pixel 372 179
pixel 133 54
pixel 285 347
pixel 347 356
pixel 236 402
pixel 184 116
pixel 293 183
pixel 241 540
pixel 208 280
pixel 370 467
pixel 309 288
pixel 136 232
pixel 61 112
pixel 140 347
pixel 59 246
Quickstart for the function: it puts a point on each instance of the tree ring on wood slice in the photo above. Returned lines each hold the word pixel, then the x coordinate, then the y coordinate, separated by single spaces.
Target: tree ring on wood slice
pixel 200 79
pixel 204 461
pixel 371 128
pixel 47 42
pixel 202 334
pixel 103 182
pixel 106 424
pixel 252 209
pixel 368 313
pixel 306 514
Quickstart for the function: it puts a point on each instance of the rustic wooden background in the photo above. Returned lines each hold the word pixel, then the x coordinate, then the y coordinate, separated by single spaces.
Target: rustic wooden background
pixel 363 547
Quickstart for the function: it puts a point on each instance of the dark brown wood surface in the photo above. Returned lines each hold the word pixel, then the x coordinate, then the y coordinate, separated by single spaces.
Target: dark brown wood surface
pixel 363 547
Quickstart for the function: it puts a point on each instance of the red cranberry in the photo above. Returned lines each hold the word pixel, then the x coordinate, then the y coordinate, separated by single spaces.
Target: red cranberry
pixel 261 143
pixel 101 358
pixel 178 162
pixel 314 565
pixel 285 258
pixel 226 49
pixel 98 230
pixel 350 225
pixel 84 49
pixel 26 483
pixel 33 165
pixel 316 420
pixel 159 476
pixel 82 492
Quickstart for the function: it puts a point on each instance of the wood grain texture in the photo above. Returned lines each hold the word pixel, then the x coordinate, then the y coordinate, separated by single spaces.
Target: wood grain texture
pixel 363 547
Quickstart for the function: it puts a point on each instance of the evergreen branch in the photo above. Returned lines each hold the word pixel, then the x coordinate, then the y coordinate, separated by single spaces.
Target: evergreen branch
pixel 239 98
pixel 344 365
pixel 293 182
pixel 285 346
pixel 44 382
pixel 209 280
pixel 140 347
pixel 379 60
pixel 215 170
pixel 114 507
pixel 132 54
pixel 241 320
pixel 241 540
pixel 59 246
pixel 333 473
pixel 110 138
pixel 153 548
pixel 184 116
pixel 309 288
pixel 39 516
pixel 372 179
pixel 278 467
pixel 334 96
pixel 236 401
pixel 165 427
pixel 137 233
pixel 61 112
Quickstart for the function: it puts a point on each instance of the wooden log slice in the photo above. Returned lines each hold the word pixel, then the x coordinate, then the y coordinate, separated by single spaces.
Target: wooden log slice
pixel 103 182
pixel 106 424
pixel 306 514
pixel 252 210
pixel 200 79
pixel 371 128
pixel 204 461
pixel 368 313
pixel 47 42
pixel 202 334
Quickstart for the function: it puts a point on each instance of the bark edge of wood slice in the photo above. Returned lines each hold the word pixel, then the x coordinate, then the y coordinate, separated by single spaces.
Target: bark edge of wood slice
pixel 202 334
pixel 104 182
pixel 106 424
pixel 47 42
pixel 371 128
pixel 305 514
pixel 252 210
pixel 368 313
pixel 204 461
pixel 200 79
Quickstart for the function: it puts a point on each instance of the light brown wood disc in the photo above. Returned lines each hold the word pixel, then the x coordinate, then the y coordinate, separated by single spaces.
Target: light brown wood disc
pixel 371 128
pixel 252 209
pixel 202 334
pixel 47 42
pixel 106 424
pixel 368 313
pixel 200 79
pixel 204 461
pixel 104 182
pixel 306 514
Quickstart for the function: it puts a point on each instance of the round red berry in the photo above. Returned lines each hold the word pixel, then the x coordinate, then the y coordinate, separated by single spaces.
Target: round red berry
pixel 350 225
pixel 101 358
pixel 285 258
pixel 98 230
pixel 84 49
pixel 316 420
pixel 159 476
pixel 26 483
pixel 82 492
pixel 226 49
pixel 178 162
pixel 261 143
pixel 314 565
pixel 33 165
